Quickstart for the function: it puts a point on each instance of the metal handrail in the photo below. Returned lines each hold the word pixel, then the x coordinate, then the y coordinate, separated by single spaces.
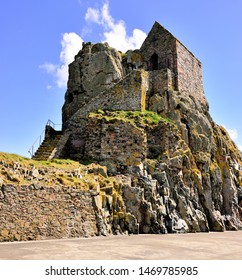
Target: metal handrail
pixel 40 139
pixel 53 125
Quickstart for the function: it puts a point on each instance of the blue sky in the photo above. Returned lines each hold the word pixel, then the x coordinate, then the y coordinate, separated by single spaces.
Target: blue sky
pixel 40 38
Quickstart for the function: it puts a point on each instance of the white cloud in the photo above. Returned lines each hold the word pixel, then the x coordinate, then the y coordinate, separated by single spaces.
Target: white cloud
pixel 92 15
pixel 115 31
pixel 71 43
pixel 49 67
pixel 233 133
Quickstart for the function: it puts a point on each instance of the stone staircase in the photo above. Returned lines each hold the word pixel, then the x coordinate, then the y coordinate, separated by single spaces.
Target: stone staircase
pixel 47 147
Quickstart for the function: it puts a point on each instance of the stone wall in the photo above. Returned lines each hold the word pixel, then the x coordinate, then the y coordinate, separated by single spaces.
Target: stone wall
pixel 161 50
pixel 127 95
pixel 161 43
pixel 30 212
pixel 117 143
pixel 60 199
pixel 189 70
pixel 160 81
pixel 130 93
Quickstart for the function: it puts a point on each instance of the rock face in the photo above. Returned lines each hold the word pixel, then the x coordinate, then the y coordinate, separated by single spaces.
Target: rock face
pixel 144 116
pixel 95 69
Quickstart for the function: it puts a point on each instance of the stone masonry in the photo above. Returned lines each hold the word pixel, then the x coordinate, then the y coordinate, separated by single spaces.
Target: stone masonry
pixel 30 212
pixel 161 50
pixel 112 145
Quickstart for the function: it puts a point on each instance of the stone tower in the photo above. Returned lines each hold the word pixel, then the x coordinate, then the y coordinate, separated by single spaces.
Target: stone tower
pixel 162 51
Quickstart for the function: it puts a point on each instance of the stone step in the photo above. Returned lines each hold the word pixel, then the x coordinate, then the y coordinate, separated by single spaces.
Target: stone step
pixel 46 148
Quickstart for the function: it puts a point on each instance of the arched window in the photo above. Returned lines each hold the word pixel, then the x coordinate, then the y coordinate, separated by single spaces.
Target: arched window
pixel 153 63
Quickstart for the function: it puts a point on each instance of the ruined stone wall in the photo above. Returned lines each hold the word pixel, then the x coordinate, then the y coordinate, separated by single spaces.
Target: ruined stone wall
pixel 30 212
pixel 130 93
pixel 127 95
pixel 93 134
pixel 161 81
pixel 118 143
pixel 62 199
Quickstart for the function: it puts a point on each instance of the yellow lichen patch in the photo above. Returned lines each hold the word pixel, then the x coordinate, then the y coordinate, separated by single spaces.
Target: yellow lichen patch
pixel 118 91
pixel 213 166
pixel 134 57
pixel 118 202
pixel 151 164
pixel 197 177
pixel 136 154
pixel 143 99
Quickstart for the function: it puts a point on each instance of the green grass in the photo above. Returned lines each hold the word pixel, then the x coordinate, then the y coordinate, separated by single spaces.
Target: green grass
pixel 57 171
pixel 136 117
pixel 26 162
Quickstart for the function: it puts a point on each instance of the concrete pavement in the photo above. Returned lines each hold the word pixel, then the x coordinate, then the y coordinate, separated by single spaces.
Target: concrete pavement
pixel 194 246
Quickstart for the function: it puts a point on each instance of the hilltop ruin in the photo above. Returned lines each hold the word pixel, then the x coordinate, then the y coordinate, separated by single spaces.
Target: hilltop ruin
pixel 142 116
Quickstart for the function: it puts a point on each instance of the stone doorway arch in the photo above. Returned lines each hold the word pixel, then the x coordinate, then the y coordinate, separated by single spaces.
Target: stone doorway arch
pixel 153 62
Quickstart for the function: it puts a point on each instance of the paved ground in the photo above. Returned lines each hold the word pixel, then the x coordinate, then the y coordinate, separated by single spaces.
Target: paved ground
pixel 217 246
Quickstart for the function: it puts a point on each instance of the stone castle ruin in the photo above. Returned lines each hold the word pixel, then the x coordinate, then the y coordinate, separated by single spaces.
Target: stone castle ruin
pixel 143 114
pixel 101 78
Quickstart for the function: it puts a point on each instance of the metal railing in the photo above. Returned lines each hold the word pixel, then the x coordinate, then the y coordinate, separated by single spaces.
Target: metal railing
pixel 41 138
pixel 53 125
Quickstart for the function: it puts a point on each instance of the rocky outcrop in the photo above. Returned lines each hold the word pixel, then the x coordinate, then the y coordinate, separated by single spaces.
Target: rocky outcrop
pixel 162 164
pixel 179 181
pixel 185 170
pixel 95 69
pixel 213 161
